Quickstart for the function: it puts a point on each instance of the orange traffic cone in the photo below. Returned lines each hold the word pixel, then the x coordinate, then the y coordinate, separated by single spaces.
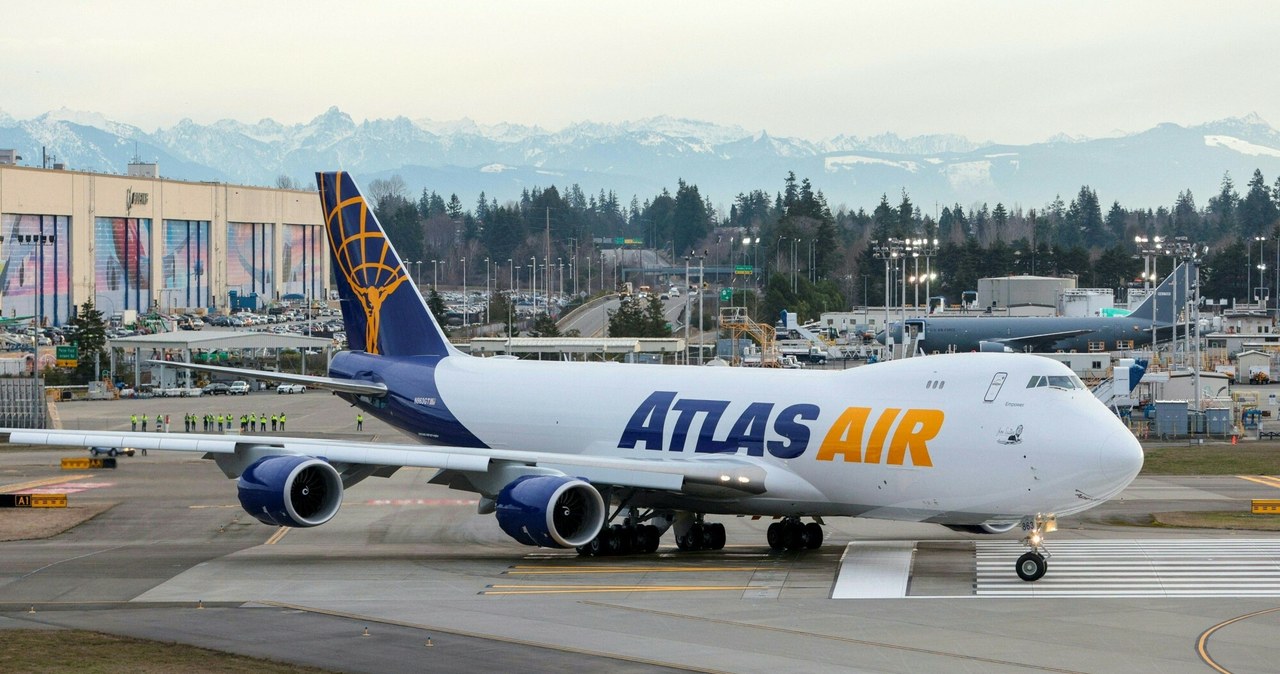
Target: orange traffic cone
pixel 1233 439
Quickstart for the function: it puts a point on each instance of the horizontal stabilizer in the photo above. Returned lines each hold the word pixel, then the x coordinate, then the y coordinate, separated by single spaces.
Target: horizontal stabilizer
pixel 328 383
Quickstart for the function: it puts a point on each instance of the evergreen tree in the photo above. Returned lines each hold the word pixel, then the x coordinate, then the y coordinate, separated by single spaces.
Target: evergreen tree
pixel 1257 211
pixel 436 304
pixel 88 331
pixel 544 326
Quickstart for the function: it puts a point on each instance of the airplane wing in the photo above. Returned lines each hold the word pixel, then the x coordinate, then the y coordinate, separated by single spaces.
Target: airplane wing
pixel 732 473
pixel 1041 342
pixel 330 383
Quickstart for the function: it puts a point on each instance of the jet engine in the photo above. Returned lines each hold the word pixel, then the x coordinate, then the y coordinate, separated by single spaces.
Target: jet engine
pixel 993 347
pixel 291 491
pixel 550 511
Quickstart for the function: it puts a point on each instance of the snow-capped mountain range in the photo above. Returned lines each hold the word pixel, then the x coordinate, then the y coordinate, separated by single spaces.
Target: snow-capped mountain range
pixel 1146 169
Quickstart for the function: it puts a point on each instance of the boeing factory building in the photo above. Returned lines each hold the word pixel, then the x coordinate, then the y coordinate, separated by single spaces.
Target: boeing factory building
pixel 140 242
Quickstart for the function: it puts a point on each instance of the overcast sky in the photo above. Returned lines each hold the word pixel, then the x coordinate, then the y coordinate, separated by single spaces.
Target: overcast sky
pixel 1014 71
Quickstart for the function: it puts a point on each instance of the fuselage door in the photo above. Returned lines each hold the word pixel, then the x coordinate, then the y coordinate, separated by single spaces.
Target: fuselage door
pixel 915 330
pixel 994 389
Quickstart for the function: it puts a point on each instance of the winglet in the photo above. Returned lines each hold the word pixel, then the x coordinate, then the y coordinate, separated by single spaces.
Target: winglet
pixel 381 309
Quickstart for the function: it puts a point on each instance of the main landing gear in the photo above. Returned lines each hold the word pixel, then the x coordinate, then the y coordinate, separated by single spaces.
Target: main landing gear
pixel 1033 564
pixel 700 535
pixel 792 534
pixel 621 539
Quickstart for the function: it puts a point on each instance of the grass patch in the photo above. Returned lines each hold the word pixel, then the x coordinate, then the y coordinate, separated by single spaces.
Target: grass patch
pixel 1254 458
pixel 82 652
pixel 1217 520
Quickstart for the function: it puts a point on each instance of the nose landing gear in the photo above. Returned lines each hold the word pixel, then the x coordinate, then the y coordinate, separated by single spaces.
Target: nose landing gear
pixel 1033 564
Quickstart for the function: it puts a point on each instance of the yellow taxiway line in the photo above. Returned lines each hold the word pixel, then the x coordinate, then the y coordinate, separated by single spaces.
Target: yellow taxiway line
pixel 275 538
pixel 41 483
pixel 1268 480
pixel 1202 644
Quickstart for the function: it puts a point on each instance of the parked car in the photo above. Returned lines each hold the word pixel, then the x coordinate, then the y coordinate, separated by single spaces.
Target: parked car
pixel 238 388
pixel 216 389
pixel 291 388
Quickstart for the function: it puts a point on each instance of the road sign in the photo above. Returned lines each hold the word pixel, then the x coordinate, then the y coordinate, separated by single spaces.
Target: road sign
pixel 726 294
pixel 68 356
pixel 743 269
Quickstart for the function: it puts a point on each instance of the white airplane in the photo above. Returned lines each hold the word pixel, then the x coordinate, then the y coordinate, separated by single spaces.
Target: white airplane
pixel 605 457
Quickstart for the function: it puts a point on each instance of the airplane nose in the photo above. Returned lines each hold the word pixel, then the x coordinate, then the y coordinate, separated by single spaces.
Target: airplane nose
pixel 1120 456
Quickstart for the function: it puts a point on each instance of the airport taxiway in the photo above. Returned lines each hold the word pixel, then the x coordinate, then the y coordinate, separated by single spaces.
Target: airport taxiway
pixel 412 561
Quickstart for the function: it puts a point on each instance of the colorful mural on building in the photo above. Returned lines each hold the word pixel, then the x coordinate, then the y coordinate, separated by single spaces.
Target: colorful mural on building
pixel 35 269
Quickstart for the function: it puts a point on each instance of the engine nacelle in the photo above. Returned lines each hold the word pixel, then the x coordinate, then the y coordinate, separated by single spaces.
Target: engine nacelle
pixel 550 511
pixel 993 347
pixel 291 491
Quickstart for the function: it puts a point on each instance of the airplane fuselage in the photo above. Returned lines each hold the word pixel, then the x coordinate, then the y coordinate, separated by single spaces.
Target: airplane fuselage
pixel 961 439
pixel 963 334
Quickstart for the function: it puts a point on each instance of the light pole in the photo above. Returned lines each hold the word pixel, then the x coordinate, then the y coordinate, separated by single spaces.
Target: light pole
pixel 533 283
pixel 1262 278
pixel 889 251
pixel 486 291
pixel 435 273
pixel 1150 247
pixel 466 301
pixel 1249 262
pixel 418 274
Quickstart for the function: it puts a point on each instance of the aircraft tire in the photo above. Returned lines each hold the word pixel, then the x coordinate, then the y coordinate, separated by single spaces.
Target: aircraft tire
pixel 652 538
pixel 610 542
pixel 814 530
pixel 716 536
pixel 775 537
pixel 1031 566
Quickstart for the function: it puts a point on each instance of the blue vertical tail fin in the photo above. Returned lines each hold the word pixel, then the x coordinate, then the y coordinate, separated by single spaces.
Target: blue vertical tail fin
pixel 381 309
pixel 1162 305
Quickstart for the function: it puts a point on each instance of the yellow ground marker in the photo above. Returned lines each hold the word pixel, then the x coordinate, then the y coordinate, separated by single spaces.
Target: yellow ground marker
pixel 275 538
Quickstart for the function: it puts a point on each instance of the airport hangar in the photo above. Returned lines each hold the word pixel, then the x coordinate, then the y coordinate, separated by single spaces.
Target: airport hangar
pixel 140 242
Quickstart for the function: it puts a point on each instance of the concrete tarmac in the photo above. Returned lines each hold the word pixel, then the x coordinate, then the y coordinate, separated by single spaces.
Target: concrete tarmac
pixel 411 561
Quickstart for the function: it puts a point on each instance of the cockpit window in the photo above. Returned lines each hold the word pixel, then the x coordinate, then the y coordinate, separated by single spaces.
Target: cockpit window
pixel 1056 381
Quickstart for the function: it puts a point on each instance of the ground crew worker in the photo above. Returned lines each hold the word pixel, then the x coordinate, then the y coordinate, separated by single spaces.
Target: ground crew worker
pixel 262 422
pixel 282 422
pixel 144 423
pixel 219 423
pixel 359 421
pixel 166 423
pixel 159 423
pixel 133 422
pixel 275 418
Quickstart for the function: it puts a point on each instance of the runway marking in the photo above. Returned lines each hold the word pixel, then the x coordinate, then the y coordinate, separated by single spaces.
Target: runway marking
pixel 275 538
pixel 491 637
pixel 569 570
pixel 33 484
pixel 1201 567
pixel 598 589
pixel 1268 480
pixel 831 637
pixel 1202 644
